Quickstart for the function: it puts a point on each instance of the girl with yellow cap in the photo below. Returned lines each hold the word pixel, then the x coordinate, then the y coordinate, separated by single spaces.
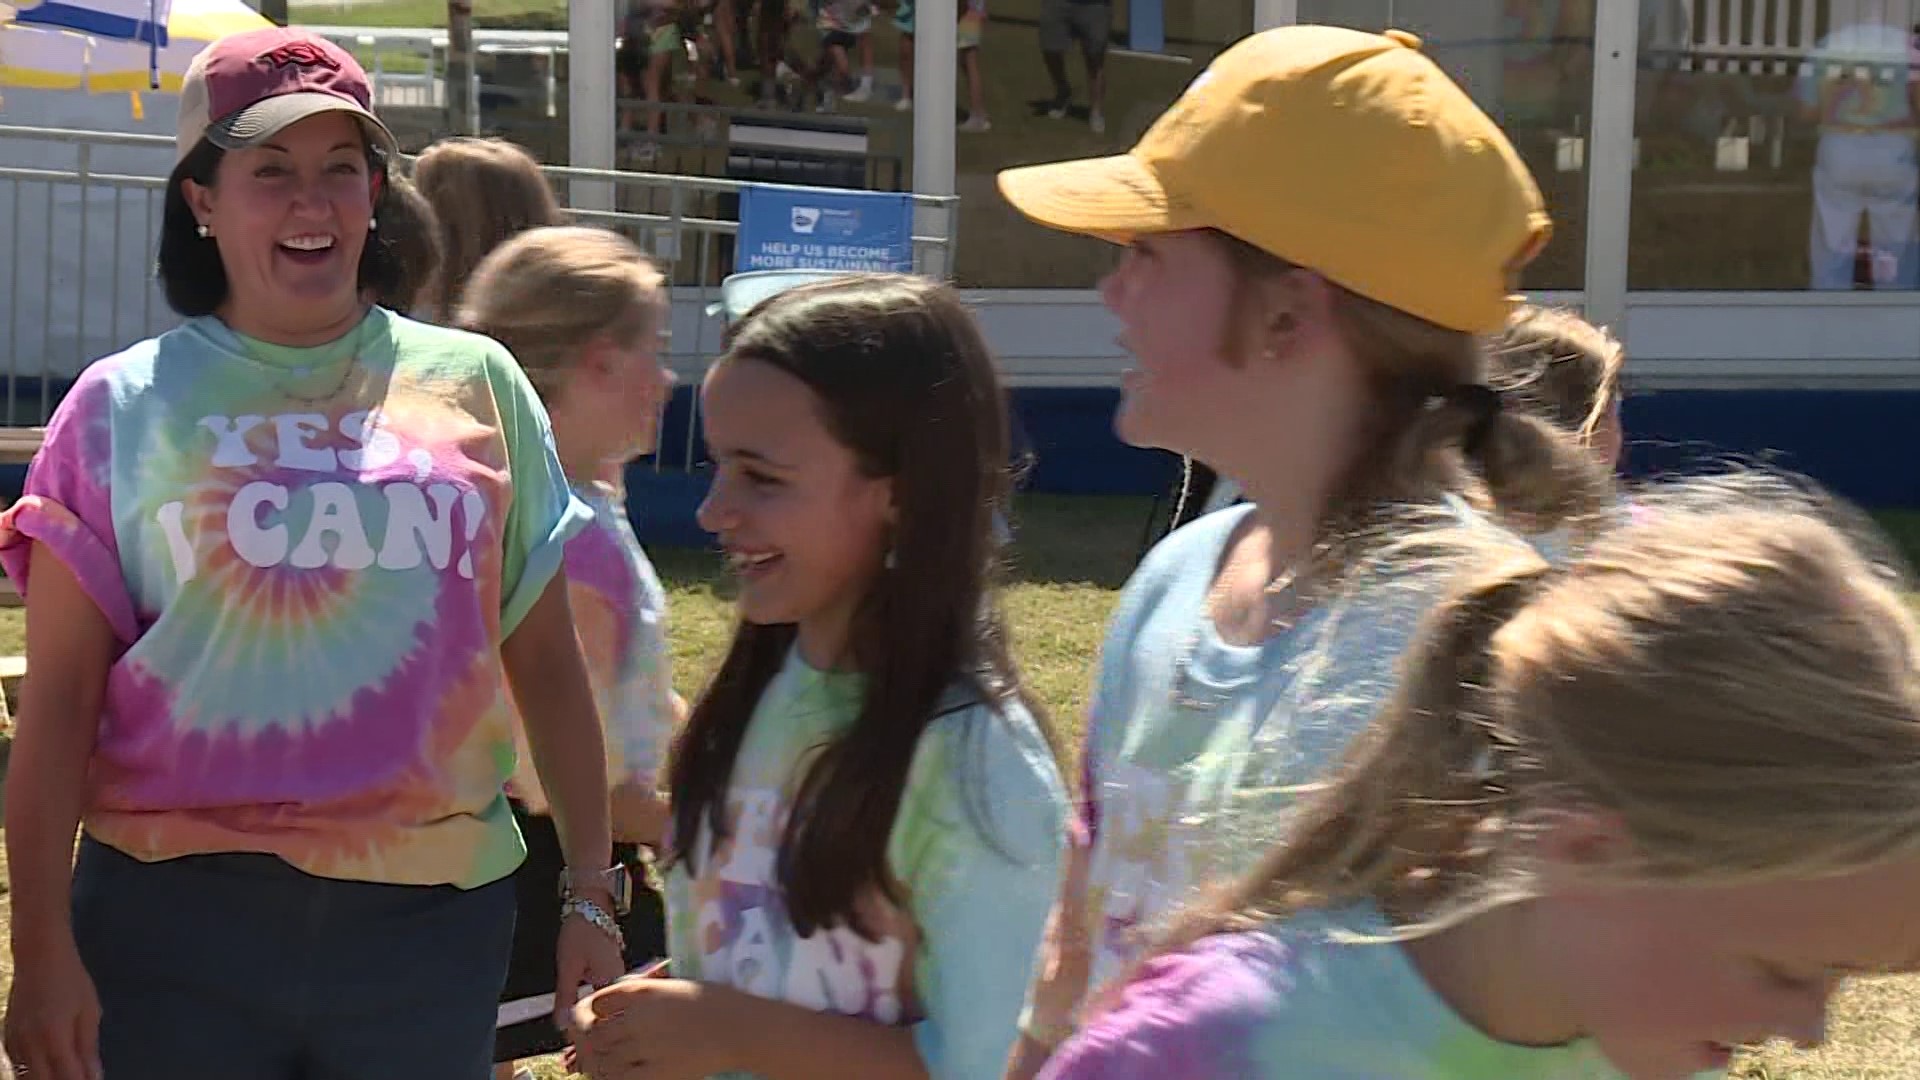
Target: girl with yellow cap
pixel 1317 234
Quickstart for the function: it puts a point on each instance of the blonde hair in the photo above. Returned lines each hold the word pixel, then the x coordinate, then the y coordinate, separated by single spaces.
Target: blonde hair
pixel 1555 364
pixel 548 293
pixel 482 191
pixel 1427 433
pixel 1734 676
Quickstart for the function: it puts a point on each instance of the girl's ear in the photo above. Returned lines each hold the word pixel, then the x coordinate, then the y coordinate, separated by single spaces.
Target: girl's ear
pixel 1293 310
pixel 1580 844
pixel 600 358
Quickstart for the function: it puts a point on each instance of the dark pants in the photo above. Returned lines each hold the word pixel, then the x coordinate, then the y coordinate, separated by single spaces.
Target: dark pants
pixel 241 966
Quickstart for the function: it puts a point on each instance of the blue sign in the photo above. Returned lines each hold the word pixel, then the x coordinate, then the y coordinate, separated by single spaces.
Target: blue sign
pixel 785 229
pixel 1147 26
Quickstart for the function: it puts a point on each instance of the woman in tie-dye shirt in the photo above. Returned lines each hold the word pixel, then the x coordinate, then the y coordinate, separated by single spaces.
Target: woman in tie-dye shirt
pixel 583 311
pixel 284 565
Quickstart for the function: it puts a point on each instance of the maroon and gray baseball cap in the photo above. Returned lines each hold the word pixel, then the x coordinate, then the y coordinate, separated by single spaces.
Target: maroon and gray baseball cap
pixel 247 87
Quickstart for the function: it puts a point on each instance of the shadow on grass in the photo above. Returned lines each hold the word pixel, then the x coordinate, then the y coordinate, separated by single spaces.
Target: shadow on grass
pixel 1058 540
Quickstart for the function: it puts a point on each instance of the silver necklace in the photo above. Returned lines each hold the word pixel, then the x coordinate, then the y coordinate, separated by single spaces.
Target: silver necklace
pixel 1185 691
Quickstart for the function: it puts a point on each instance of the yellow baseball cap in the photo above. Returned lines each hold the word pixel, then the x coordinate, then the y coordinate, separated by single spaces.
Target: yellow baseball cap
pixel 1349 153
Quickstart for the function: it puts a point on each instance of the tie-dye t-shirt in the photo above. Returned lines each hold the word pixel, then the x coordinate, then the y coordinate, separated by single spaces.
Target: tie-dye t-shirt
pixel 310 558
pixel 975 846
pixel 620 613
pixel 1195 746
pixel 1299 1000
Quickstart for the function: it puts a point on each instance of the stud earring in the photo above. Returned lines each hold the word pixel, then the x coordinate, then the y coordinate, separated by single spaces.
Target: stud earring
pixel 203 230
pixel 373 225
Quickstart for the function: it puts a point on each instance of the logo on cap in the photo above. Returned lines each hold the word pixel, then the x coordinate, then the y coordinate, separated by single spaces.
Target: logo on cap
pixel 298 54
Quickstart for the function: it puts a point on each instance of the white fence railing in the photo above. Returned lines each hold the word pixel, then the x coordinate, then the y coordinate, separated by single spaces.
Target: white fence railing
pixel 1774 37
pixel 81 213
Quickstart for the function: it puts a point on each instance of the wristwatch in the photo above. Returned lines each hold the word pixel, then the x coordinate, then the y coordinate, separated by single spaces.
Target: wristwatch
pixel 596 917
pixel 616 880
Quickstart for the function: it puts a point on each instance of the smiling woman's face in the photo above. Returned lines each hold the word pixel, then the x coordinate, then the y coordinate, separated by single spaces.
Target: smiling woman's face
pixel 291 218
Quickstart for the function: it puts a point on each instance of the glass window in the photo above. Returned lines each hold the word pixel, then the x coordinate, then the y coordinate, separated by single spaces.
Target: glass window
pixel 1146 64
pixel 1775 146
pixel 1529 64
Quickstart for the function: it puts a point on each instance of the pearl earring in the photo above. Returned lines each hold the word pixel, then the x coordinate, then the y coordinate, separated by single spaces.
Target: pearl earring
pixel 203 230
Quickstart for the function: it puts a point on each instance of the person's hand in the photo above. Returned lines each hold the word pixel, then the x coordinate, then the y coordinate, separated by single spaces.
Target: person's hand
pixel 1066 949
pixel 585 955
pixel 655 1029
pixel 53 1016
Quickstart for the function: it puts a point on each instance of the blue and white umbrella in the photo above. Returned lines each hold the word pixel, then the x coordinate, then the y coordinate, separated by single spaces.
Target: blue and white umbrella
pixel 143 21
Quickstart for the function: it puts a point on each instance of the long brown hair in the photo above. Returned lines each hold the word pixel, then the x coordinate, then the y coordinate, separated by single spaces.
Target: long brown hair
pixel 904 381
pixel 483 191
pixel 1734 676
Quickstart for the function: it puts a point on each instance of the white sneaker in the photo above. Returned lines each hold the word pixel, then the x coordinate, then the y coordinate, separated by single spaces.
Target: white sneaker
pixel 976 124
pixel 861 93
pixel 905 104
pixel 1098 122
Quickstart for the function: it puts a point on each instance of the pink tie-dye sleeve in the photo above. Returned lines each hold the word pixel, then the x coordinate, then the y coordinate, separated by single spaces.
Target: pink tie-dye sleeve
pixel 67 506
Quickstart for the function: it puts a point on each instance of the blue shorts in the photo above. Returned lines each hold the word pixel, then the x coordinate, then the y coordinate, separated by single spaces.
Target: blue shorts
pixel 239 966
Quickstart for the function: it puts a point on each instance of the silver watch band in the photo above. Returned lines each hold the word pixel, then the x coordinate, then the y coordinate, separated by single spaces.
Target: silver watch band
pixel 596 915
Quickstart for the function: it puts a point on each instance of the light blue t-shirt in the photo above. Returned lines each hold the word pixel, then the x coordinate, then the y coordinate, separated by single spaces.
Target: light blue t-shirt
pixel 1297 1000
pixel 975 846
pixel 1196 747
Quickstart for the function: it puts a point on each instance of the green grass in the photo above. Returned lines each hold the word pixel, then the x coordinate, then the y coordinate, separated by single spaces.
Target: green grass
pixel 1072 556
pixel 501 14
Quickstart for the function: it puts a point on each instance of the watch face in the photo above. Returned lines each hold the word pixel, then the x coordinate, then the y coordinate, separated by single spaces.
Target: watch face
pixel 616 880
pixel 620 883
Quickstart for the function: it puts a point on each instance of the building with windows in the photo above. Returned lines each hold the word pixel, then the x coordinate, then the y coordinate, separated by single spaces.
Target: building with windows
pixel 1734 184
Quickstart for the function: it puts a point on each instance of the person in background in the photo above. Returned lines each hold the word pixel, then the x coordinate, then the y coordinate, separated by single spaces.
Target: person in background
pixel 1310 326
pixel 413 233
pixel 1859 86
pixel 844 25
pixel 973 24
pixel 1625 817
pixel 289 568
pixel 773 27
pixel 1090 24
pixel 868 812
pixel 583 311
pixel 482 192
